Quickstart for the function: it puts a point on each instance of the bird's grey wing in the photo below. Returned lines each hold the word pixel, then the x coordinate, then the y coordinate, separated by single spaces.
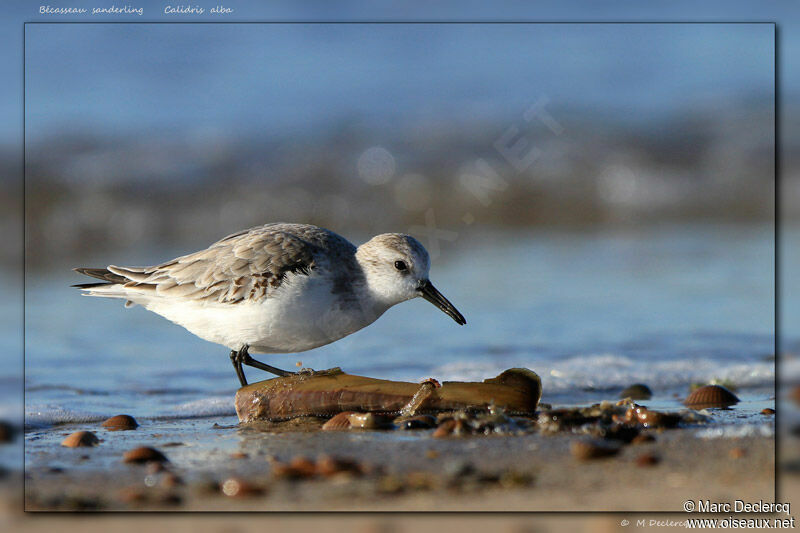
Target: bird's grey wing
pixel 247 266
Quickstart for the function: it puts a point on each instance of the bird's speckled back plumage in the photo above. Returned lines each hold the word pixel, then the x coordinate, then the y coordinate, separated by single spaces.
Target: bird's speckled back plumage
pixel 249 265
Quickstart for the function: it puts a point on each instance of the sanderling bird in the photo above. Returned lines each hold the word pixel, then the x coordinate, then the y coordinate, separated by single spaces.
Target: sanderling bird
pixel 277 288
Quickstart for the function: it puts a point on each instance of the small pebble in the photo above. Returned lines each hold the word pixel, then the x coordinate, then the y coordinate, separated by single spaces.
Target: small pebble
pixel 144 454
pixel 81 439
pixel 445 429
pixel 298 468
pixel 737 453
pixel 647 459
pixel 120 423
pixel 370 421
pixel 637 391
pixel 303 465
pixel 768 411
pixel 328 466
pixel 589 450
pixel 132 495
pixel 417 422
pixel 651 419
pixel 239 455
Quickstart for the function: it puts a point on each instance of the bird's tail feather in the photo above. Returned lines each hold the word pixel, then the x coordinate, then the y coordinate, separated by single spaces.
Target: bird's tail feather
pixel 104 274
pixel 111 286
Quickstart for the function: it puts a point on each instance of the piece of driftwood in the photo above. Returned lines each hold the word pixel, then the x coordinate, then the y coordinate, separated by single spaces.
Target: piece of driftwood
pixel 328 392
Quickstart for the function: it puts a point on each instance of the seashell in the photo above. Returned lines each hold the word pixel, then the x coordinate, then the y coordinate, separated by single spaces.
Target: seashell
pixel 768 411
pixel 339 422
pixel 647 459
pixel 144 454
pixel 81 439
pixel 328 466
pixel 417 422
pixel 585 450
pixel 637 391
pixel 120 423
pixel 240 488
pixel 710 396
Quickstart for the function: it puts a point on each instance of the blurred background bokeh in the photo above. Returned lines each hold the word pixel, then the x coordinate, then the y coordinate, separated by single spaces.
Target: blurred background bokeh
pixel 170 136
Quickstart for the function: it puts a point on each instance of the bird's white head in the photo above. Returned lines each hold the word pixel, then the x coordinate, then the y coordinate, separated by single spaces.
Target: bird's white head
pixel 396 269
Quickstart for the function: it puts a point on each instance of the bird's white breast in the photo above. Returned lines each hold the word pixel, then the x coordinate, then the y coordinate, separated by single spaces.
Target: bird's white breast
pixel 303 314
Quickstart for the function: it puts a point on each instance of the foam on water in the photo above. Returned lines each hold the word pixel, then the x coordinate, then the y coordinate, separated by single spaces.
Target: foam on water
pixel 737 431
pixel 37 416
pixel 206 407
pixel 40 416
pixel 610 371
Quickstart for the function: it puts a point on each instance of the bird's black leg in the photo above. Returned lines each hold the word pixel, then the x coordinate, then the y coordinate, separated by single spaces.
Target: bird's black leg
pixel 237 364
pixel 249 361
pixel 242 357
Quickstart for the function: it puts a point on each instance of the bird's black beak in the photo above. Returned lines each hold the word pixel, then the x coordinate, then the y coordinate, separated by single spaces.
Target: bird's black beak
pixel 435 297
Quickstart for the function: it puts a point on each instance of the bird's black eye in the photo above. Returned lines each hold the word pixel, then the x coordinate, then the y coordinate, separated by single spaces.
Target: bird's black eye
pixel 400 265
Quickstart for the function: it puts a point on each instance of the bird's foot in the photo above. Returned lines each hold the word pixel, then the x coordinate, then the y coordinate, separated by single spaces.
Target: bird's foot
pixel 237 359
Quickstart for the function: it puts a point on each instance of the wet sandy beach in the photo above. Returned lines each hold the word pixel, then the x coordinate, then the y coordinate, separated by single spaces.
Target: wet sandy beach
pixel 215 464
